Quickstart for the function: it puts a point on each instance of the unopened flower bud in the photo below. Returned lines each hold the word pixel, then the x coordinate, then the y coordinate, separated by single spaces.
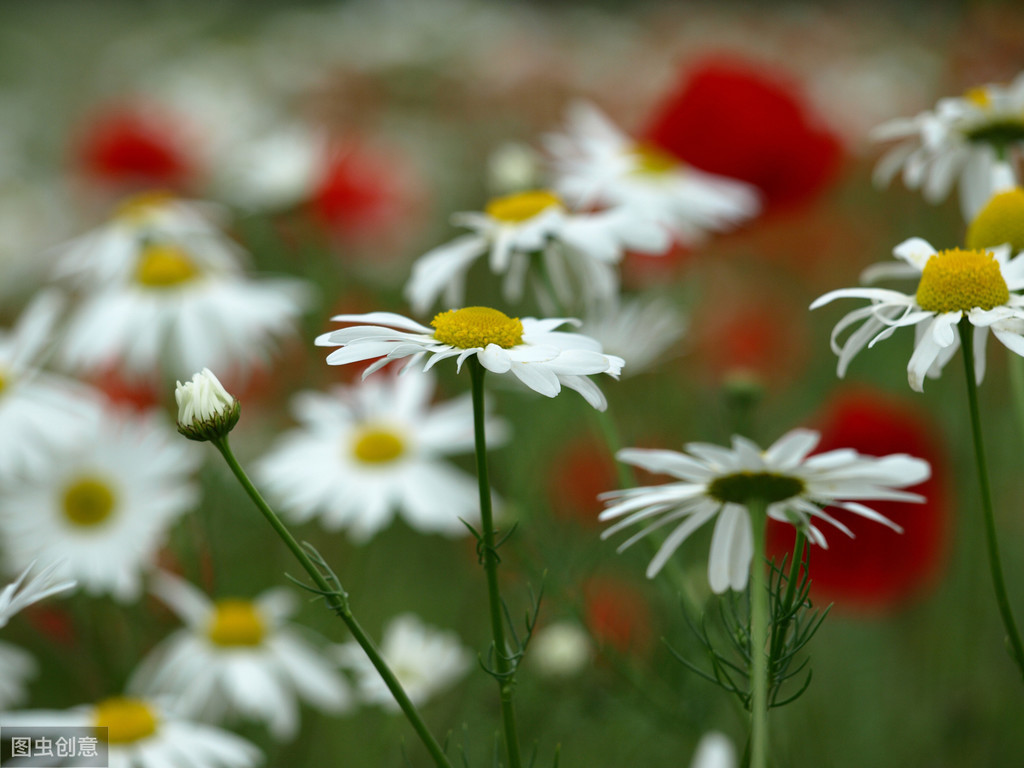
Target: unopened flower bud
pixel 206 411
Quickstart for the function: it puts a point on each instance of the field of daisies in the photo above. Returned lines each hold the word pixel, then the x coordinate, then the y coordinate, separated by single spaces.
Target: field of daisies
pixel 463 383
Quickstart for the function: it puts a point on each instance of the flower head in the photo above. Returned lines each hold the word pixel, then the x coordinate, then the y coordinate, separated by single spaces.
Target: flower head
pixel 425 660
pixel 961 139
pixel 206 411
pixel 597 164
pixel 955 284
pixel 584 246
pixel 716 481
pixel 532 350
pixel 363 454
pixel 239 657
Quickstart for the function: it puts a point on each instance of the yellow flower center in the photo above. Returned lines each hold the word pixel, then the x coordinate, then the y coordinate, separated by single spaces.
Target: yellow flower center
pixel 741 487
pixel 473 327
pixel 126 719
pixel 979 97
pixel 236 622
pixel 164 266
pixel 376 445
pixel 3 382
pixel 1000 221
pixel 958 281
pixel 88 501
pixel 652 161
pixel 137 207
pixel 522 205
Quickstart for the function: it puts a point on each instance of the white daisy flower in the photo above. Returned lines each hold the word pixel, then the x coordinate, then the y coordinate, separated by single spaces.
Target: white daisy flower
pixel 40 413
pixel 541 357
pixel 23 591
pixel 206 410
pixel 16 668
pixel 960 140
pixel 165 291
pixel 143 733
pixel 596 163
pixel 577 247
pixel 424 659
pixel 365 452
pixel 101 510
pixel 955 284
pixel 639 330
pixel 239 657
pixel 717 481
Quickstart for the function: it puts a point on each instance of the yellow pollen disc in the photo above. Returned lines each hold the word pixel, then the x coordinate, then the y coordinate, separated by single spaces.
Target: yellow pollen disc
pixel 652 161
pixel 3 382
pixel 141 205
pixel 1000 221
pixel 473 327
pixel 522 205
pixel 88 501
pixel 957 280
pixel 126 719
pixel 979 97
pixel 375 445
pixel 163 266
pixel 236 622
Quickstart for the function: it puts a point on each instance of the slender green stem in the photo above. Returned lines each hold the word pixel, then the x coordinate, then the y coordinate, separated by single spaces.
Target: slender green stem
pixel 995 566
pixel 1016 366
pixel 504 666
pixel 338 601
pixel 758 639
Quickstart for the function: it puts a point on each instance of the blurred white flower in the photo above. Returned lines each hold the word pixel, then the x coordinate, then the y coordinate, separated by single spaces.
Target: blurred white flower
pixel 365 453
pixel 24 591
pixel 238 657
pixel 961 142
pixel 578 248
pixel 165 292
pixel 539 356
pixel 101 509
pixel 714 751
pixel 713 481
pixel 143 733
pixel 595 163
pixel 40 413
pixel 639 330
pixel 424 659
pixel 16 668
pixel 562 649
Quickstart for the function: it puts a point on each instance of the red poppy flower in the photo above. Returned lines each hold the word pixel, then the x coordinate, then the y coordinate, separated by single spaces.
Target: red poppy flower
pixel 879 568
pixel 617 615
pixel 730 117
pixel 135 146
pixel 580 471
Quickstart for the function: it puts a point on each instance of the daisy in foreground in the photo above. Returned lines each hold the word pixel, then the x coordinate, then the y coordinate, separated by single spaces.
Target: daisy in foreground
pixel 975 284
pixel 793 487
pixel 142 733
pixel 238 657
pixel 365 452
pixel 532 350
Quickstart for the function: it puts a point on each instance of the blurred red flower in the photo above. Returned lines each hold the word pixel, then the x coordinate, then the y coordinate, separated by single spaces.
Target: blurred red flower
pixel 135 146
pixel 580 471
pixel 618 615
pixel 879 568
pixel 738 119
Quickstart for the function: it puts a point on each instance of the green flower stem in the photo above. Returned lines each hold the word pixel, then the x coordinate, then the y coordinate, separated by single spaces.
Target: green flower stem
pixel 338 601
pixel 503 665
pixel 758 639
pixel 1013 636
pixel 1016 366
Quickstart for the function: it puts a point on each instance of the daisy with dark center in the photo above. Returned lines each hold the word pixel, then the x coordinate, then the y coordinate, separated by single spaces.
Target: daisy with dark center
pixel 974 285
pixel 532 350
pixel 966 139
pixel 580 248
